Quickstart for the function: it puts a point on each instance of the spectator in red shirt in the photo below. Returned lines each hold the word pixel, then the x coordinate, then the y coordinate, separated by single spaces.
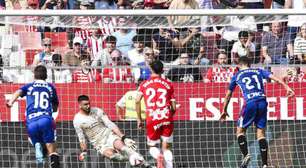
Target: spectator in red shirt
pixel 294 74
pixel 85 73
pixel 114 74
pixel 220 72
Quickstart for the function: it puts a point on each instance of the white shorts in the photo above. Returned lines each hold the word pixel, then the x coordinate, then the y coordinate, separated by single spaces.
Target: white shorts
pixel 106 143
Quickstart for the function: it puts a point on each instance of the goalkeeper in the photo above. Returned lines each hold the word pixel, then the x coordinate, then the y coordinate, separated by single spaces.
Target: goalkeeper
pixel 104 135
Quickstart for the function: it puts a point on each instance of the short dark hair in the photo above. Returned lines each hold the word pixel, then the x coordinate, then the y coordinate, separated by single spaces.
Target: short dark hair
pixel 84 56
pixel 243 34
pixel 244 61
pixel 57 58
pixel 138 39
pixel 157 66
pixel 83 98
pixel 111 39
pixel 40 72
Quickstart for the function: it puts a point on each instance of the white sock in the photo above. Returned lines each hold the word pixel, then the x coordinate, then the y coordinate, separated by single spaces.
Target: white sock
pixel 168 159
pixel 154 152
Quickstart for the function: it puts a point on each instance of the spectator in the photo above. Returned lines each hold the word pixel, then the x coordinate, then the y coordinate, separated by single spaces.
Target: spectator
pixel 86 73
pixel 33 4
pixel 278 4
pixel 168 42
pixel 275 44
pixel 157 4
pixel 300 44
pixel 243 48
pixel 144 73
pixel 136 55
pixel 54 4
pixel 115 74
pixel 94 42
pixel 295 21
pixel 220 72
pixel 181 4
pixel 44 57
pixel 252 4
pixel 72 58
pixel 125 107
pixel 125 37
pixel 106 4
pixel 57 74
pixel 194 42
pixel 103 57
pixel 184 73
pixel 294 74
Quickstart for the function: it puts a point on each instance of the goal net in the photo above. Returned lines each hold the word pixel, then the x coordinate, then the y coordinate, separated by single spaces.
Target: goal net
pixel 104 54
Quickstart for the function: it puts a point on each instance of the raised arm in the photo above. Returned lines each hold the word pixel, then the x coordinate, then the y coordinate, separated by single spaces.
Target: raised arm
pixel 138 110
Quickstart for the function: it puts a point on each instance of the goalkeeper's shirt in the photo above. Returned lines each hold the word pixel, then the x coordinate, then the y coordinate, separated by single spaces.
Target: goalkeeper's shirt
pixel 95 126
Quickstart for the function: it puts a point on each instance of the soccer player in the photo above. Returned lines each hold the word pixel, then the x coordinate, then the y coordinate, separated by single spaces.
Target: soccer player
pixel 250 80
pixel 41 101
pixel 94 125
pixel 160 108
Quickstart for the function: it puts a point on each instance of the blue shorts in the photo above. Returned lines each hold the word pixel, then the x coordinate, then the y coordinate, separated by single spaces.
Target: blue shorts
pixel 41 130
pixel 253 111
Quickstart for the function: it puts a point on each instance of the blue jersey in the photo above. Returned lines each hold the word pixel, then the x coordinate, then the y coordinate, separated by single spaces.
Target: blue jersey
pixel 40 97
pixel 250 82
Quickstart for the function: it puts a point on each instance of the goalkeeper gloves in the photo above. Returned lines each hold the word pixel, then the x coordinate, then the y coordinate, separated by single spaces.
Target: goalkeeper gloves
pixel 129 142
pixel 83 156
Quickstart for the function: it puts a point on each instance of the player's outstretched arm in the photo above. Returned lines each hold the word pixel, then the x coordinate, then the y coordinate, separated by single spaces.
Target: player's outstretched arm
pixel 138 110
pixel 290 92
pixel 14 98
pixel 227 99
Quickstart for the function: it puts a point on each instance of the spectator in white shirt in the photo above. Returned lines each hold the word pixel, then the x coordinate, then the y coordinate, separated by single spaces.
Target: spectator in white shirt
pixel 243 47
pixel 57 74
pixel 300 44
pixel 103 57
pixel 136 55
pixel 44 57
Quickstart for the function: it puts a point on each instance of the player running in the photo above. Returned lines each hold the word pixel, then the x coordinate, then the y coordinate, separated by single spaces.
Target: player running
pixel 104 135
pixel 250 81
pixel 41 100
pixel 158 94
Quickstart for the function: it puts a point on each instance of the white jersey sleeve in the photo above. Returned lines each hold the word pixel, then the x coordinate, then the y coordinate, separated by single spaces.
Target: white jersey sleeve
pixel 78 129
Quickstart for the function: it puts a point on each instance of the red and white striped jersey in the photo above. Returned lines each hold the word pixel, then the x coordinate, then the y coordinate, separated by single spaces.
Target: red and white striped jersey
pixel 220 74
pixel 117 75
pixel 106 25
pixel 95 45
pixel 92 76
pixel 301 77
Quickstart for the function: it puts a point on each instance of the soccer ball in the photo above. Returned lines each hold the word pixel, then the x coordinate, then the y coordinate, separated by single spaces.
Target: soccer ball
pixel 136 159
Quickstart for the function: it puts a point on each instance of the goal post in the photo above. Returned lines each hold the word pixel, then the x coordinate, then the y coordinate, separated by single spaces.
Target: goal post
pixel 200 139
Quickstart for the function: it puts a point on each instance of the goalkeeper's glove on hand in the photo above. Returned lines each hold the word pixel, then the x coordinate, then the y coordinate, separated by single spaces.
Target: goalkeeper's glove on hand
pixel 83 156
pixel 129 143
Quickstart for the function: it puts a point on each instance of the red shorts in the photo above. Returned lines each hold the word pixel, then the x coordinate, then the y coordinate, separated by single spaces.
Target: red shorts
pixel 163 130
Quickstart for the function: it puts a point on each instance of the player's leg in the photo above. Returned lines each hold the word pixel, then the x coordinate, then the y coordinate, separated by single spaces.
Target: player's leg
pixel 47 127
pixel 261 122
pixel 153 142
pixel 35 139
pixel 247 117
pixel 167 140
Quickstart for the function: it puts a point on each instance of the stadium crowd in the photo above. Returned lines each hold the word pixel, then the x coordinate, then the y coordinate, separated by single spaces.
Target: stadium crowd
pixel 122 55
